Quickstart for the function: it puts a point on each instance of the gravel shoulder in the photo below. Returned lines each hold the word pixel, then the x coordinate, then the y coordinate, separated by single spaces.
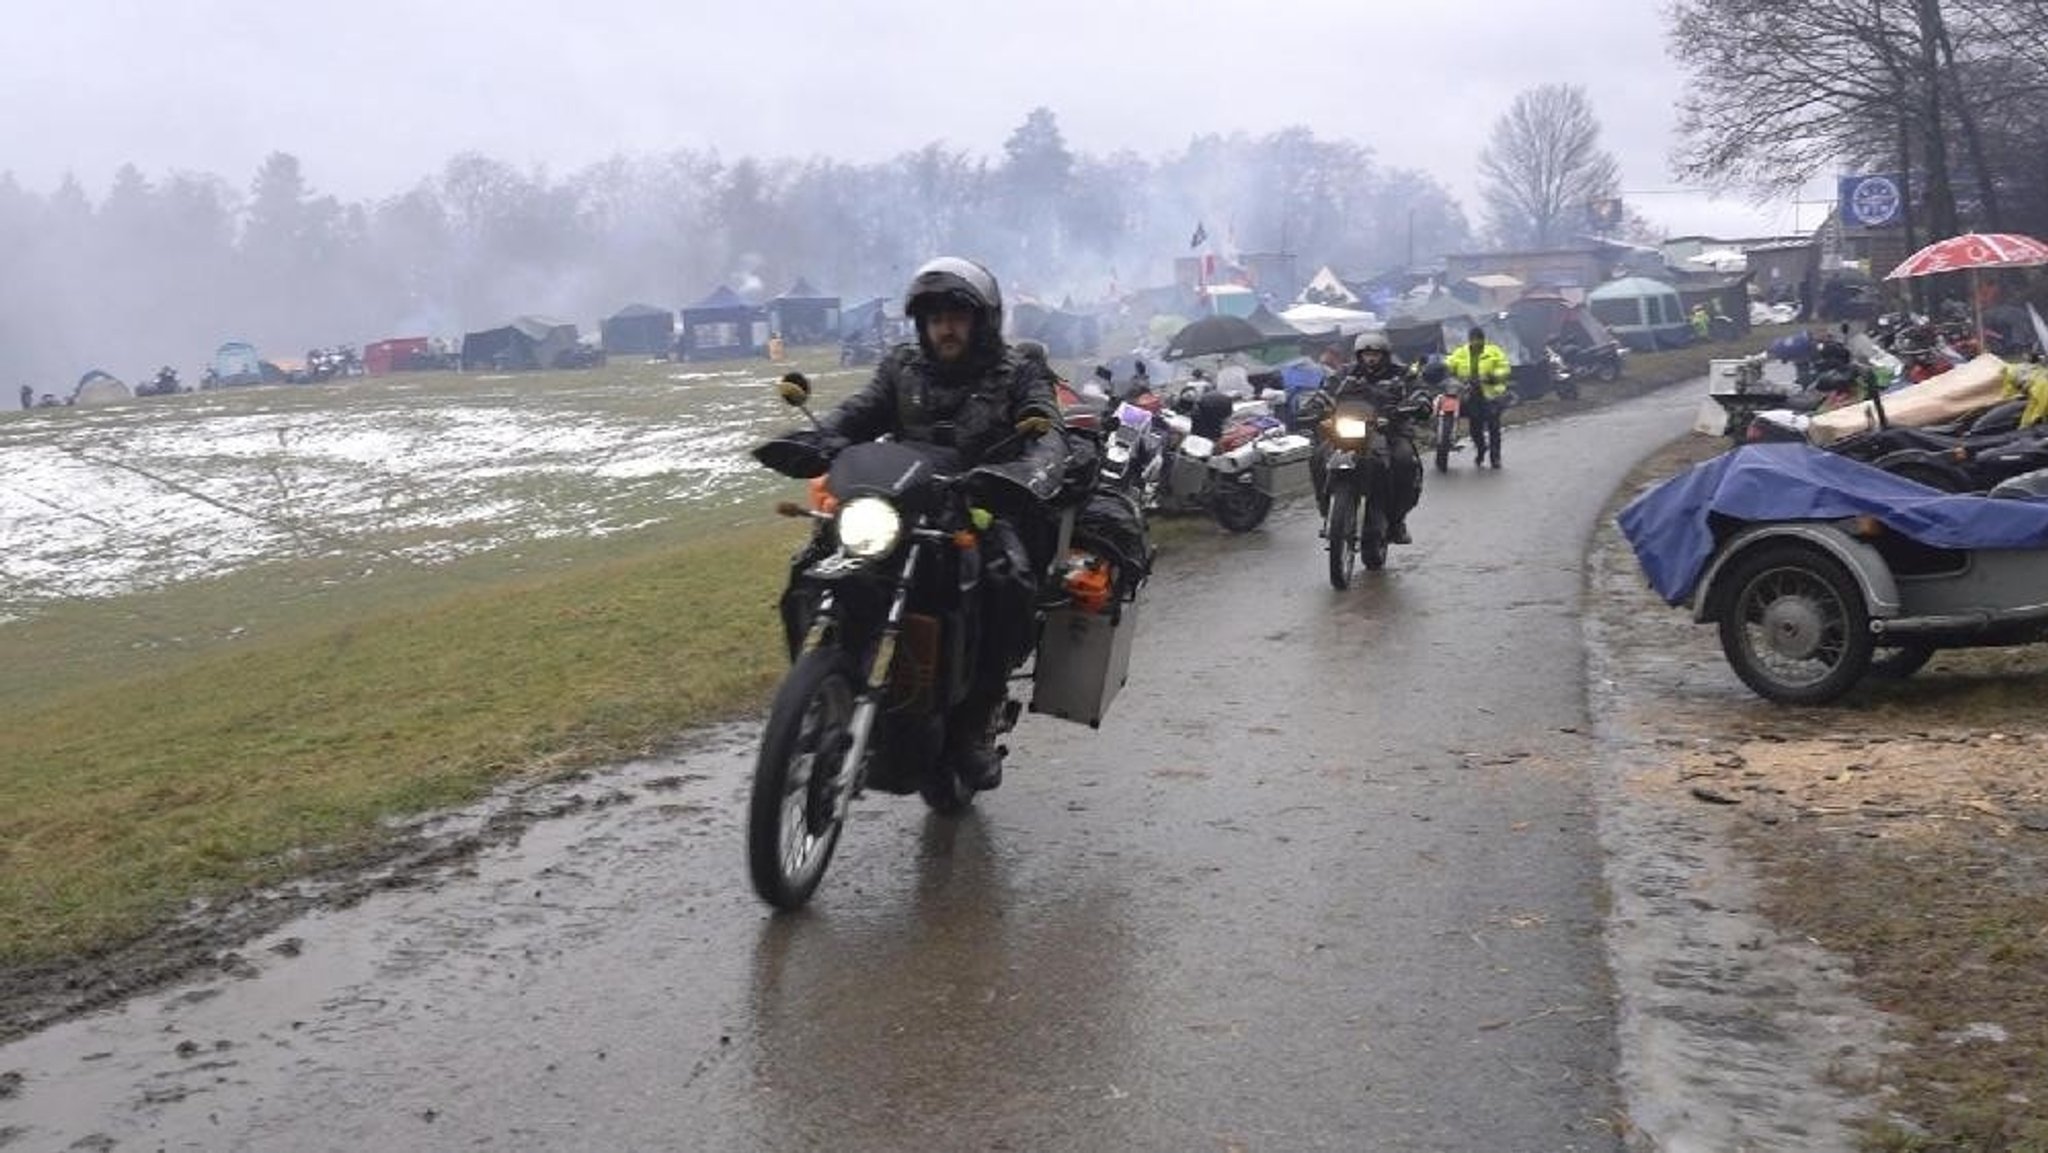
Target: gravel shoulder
pixel 1833 923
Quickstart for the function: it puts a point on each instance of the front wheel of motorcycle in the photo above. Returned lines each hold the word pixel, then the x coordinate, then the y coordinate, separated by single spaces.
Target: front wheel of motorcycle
pixel 1343 534
pixel 791 824
pixel 1446 433
pixel 1241 507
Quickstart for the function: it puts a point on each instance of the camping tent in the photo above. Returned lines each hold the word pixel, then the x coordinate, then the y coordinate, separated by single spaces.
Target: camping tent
pixel 398 354
pixel 1548 318
pixel 528 342
pixel 722 326
pixel 1642 313
pixel 1064 333
pixel 638 330
pixel 98 387
pixel 803 315
pixel 237 363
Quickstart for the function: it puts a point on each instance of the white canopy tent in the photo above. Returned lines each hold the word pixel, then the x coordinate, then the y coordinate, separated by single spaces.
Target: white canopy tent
pixel 1322 319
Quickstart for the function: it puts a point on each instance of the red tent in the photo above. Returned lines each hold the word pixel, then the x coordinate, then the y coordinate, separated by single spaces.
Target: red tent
pixel 395 355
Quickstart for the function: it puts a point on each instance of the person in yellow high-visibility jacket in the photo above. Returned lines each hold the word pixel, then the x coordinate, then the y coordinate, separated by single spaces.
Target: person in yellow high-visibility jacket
pixel 1484 368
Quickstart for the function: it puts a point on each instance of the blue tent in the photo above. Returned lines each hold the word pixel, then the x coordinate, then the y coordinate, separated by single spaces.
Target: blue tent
pixel 236 362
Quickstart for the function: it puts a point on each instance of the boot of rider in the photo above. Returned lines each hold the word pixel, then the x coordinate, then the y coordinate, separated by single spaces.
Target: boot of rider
pixel 971 742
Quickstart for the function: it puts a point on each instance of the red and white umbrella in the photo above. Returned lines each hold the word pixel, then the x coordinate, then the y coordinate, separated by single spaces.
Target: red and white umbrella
pixel 1973 250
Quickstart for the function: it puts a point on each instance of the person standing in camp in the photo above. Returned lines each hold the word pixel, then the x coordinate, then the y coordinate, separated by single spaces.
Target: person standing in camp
pixel 28 398
pixel 1484 368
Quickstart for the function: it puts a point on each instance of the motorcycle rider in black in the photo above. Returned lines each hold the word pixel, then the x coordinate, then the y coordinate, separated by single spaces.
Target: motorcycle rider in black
pixel 961 387
pixel 1375 376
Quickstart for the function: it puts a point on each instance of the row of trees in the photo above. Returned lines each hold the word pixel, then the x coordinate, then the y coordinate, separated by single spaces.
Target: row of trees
pixel 1947 92
pixel 162 269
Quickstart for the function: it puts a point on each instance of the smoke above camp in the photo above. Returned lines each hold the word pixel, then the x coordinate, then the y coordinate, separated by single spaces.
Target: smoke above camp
pixel 304 175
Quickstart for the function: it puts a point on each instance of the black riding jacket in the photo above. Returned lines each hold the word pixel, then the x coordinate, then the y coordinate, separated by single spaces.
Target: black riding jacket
pixel 973 409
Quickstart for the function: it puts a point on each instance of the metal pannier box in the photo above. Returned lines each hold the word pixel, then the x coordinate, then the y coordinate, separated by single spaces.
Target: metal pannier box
pixel 1282 466
pixel 1083 659
pixel 1240 459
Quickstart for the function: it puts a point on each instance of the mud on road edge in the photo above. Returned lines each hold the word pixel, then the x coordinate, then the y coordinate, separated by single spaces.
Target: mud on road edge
pixel 1829 925
pixel 207 941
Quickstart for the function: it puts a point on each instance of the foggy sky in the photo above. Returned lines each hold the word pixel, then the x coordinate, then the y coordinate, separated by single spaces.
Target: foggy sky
pixel 374 95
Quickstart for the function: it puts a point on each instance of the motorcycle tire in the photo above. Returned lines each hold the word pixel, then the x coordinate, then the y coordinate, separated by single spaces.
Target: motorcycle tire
pixel 1343 534
pixel 791 831
pixel 1793 624
pixel 1609 371
pixel 1372 535
pixel 1241 507
pixel 1446 434
pixel 1569 389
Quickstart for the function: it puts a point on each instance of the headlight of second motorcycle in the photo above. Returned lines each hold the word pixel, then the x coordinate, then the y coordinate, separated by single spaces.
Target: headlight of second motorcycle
pixel 869 526
pixel 1350 428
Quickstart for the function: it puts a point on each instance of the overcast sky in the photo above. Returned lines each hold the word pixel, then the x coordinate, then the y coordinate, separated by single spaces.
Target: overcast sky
pixel 372 95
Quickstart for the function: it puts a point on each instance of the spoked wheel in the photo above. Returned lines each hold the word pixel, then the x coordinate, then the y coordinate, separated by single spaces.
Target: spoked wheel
pixel 1242 507
pixel 1609 371
pixel 1343 536
pixel 1446 433
pixel 791 830
pixel 1794 626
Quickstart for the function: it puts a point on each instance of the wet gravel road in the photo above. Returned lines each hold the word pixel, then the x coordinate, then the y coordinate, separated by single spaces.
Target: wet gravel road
pixel 1328 878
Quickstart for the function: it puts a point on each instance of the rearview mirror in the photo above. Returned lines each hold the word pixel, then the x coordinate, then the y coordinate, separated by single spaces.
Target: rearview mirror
pixel 795 389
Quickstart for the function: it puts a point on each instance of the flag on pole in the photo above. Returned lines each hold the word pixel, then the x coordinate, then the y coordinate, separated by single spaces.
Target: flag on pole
pixel 1201 234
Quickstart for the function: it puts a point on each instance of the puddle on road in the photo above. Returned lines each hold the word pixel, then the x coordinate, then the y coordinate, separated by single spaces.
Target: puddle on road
pixel 1728 1030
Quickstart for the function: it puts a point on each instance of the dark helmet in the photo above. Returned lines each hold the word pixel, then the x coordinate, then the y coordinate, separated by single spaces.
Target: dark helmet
pixel 1435 370
pixel 1032 350
pixel 1831 353
pixel 1372 342
pixel 963 284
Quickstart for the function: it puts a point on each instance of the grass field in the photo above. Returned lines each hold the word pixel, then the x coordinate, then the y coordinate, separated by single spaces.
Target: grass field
pixel 243 629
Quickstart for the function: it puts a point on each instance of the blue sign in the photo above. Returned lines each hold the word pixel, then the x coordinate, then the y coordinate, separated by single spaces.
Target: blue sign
pixel 1873 201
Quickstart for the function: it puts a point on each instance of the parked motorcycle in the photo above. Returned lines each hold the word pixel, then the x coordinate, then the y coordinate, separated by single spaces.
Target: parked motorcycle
pixel 880 621
pixel 1602 362
pixel 1234 478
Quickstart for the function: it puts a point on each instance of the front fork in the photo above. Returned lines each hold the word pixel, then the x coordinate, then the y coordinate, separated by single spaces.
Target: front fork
pixel 869 704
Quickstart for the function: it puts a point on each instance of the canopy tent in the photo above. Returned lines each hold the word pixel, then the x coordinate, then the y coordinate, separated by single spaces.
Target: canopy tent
pixel 100 387
pixel 1720 260
pixel 1326 320
pixel 236 362
pixel 723 326
pixel 528 342
pixel 638 330
pixel 803 315
pixel 1642 313
pixel 1491 291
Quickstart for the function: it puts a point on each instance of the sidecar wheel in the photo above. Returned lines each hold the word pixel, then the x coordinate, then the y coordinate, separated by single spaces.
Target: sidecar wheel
pixel 791 830
pixel 1793 624
pixel 1242 507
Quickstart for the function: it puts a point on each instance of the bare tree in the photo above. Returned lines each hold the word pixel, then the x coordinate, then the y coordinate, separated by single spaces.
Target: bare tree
pixel 1544 167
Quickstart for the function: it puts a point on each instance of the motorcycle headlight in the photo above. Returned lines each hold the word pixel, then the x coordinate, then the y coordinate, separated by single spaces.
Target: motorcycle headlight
pixel 869 526
pixel 1350 428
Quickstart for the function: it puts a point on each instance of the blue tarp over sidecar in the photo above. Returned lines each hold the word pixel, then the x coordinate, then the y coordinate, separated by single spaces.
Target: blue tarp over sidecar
pixel 1671 527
